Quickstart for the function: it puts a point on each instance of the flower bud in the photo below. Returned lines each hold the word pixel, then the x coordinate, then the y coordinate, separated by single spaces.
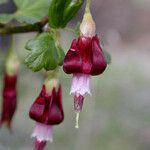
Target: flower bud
pixel 9 99
pixel 10 89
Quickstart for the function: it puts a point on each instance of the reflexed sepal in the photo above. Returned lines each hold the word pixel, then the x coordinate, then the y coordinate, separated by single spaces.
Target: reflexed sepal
pixel 85 56
pixel 47 108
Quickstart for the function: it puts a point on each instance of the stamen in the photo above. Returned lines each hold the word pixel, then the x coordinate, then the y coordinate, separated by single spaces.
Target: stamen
pixel 77 120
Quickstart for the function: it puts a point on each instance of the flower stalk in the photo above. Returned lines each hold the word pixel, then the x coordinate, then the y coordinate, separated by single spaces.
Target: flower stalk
pixel 87 7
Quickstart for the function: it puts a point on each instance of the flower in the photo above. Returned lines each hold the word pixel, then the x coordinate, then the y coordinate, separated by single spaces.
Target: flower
pixel 9 99
pixel 84 59
pixel 47 111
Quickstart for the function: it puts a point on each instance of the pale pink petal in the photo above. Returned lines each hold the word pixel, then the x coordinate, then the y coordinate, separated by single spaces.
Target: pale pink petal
pixel 43 132
pixel 80 84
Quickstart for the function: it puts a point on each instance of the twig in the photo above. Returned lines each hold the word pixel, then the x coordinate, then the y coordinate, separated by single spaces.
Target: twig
pixel 4 29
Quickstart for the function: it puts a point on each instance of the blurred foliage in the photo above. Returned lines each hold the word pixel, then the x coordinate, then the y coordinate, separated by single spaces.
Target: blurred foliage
pixel 28 11
pixel 107 56
pixel 3 1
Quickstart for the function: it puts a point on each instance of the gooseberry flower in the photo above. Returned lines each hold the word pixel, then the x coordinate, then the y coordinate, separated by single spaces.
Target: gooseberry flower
pixel 47 111
pixel 9 92
pixel 9 99
pixel 84 59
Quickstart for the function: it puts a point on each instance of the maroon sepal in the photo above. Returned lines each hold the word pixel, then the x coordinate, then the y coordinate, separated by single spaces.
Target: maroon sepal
pixel 9 99
pixel 48 109
pixel 85 56
pixel 39 145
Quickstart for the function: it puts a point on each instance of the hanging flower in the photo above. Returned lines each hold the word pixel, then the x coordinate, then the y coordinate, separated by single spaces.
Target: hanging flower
pixel 47 111
pixel 84 59
pixel 9 99
pixel 9 92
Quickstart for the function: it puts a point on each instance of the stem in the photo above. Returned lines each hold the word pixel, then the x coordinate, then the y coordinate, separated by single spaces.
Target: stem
pixel 56 37
pixel 87 8
pixel 4 29
pixel 69 29
pixel 1 25
pixel 11 45
pixel 20 29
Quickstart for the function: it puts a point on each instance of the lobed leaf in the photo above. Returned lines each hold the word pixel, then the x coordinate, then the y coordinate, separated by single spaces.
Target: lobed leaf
pixel 43 53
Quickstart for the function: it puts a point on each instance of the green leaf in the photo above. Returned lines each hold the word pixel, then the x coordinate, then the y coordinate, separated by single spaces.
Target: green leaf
pixel 107 56
pixel 28 11
pixel 43 53
pixel 56 13
pixel 62 11
pixel 71 10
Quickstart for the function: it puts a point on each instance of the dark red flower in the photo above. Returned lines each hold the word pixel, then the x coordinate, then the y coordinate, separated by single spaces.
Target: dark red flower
pixel 47 109
pixel 9 99
pixel 85 56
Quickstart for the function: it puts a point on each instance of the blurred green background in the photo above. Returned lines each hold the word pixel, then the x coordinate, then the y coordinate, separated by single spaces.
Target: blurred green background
pixel 117 116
